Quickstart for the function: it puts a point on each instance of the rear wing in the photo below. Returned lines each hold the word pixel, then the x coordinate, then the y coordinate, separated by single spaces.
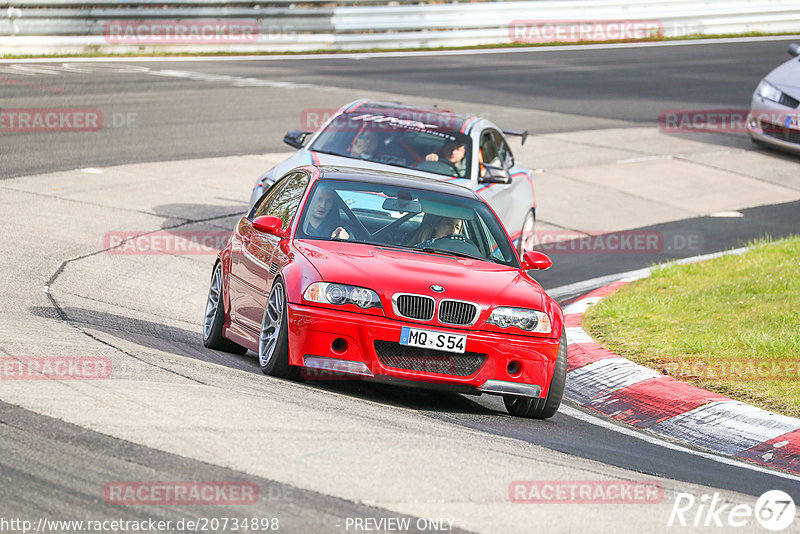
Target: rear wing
pixel 519 133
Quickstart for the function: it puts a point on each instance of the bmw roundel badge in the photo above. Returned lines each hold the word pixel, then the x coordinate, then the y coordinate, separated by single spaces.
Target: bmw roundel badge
pixel 437 288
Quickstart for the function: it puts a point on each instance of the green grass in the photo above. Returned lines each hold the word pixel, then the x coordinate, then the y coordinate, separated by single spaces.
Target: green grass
pixel 367 50
pixel 730 325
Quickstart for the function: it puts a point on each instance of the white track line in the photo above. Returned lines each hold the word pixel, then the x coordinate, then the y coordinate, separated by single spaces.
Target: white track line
pixel 640 434
pixel 410 53
pixel 643 436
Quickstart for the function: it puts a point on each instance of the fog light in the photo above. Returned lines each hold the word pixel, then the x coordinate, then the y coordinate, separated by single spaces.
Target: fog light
pixel 336 366
pixel 339 345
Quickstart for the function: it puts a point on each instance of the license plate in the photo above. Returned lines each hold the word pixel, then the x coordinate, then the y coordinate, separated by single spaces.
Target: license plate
pixel 429 339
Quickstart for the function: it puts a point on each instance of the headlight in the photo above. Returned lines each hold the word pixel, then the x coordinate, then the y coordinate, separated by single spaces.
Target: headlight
pixel 769 91
pixel 524 319
pixel 340 294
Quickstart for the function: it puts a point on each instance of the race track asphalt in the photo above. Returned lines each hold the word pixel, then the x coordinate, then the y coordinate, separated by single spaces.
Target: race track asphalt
pixel 62 443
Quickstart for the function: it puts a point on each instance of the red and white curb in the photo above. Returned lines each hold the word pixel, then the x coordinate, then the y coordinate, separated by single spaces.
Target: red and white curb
pixel 607 383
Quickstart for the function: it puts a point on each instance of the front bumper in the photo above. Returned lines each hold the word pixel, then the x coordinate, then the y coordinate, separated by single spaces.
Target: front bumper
pixel 333 344
pixel 775 126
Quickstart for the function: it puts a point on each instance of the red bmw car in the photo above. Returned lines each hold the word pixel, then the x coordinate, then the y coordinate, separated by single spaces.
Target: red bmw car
pixel 380 276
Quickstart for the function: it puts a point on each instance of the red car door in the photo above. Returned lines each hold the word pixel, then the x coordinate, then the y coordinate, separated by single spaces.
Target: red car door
pixel 253 264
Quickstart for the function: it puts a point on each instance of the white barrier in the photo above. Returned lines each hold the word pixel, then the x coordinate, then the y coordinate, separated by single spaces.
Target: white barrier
pixel 69 26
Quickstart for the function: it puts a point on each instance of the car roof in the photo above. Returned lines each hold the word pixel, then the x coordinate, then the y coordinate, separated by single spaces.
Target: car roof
pixel 375 176
pixel 444 119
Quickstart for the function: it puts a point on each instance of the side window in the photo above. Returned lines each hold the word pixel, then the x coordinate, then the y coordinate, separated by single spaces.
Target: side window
pixel 286 202
pixel 495 151
pixel 503 152
pixel 487 240
pixel 489 149
pixel 261 206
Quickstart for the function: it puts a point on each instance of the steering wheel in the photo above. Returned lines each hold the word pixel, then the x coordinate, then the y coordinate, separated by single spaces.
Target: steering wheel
pixel 452 165
pixel 436 166
pixel 353 233
pixel 458 243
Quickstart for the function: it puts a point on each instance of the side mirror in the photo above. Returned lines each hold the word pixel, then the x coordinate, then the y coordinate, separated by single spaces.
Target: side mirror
pixel 296 138
pixel 267 224
pixel 535 260
pixel 794 49
pixel 494 175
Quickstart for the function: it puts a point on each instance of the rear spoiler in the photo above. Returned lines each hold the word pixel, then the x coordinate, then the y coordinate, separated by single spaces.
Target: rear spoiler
pixel 520 133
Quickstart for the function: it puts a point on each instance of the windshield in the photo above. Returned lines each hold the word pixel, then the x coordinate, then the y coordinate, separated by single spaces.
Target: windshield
pixel 404 217
pixel 400 142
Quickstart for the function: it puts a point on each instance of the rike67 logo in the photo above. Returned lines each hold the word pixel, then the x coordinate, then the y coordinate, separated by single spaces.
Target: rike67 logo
pixel 774 511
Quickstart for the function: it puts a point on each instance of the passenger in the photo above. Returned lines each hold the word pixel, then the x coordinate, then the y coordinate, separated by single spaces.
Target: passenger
pixel 365 145
pixel 435 227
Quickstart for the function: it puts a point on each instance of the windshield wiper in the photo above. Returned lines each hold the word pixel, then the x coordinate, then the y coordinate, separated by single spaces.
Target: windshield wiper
pixel 451 253
pixel 430 250
pixel 343 240
pixel 373 243
pixel 324 152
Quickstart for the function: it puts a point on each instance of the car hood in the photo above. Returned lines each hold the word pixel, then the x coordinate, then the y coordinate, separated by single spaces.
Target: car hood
pixel 389 271
pixel 787 77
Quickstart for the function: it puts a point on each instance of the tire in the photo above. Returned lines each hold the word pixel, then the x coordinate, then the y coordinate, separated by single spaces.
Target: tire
pixel 528 225
pixel 547 407
pixel 214 319
pixel 273 341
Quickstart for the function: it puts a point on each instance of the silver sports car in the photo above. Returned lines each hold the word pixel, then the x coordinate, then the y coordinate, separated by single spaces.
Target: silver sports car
pixel 431 142
pixel 774 118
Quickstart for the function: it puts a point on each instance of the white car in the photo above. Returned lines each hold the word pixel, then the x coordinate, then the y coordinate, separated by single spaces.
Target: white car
pixel 429 142
pixel 774 118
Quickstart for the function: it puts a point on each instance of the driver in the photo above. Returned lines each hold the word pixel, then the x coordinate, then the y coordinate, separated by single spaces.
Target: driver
pixel 323 219
pixel 454 152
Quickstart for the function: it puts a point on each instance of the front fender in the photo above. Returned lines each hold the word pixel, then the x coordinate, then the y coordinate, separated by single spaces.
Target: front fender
pixel 556 317
pixel 297 276
pixel 224 257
